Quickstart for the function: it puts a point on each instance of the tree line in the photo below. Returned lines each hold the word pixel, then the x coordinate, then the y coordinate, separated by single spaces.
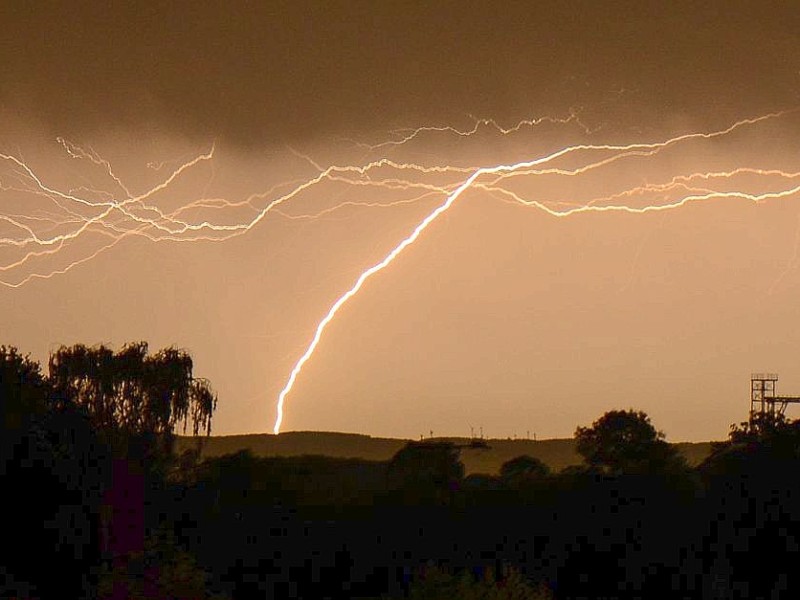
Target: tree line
pixel 75 443
pixel 98 505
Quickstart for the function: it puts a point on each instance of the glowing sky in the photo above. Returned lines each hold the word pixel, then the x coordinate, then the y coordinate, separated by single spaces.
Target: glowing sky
pixel 504 316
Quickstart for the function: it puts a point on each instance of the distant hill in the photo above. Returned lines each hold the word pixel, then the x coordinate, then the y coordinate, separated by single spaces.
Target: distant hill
pixel 556 453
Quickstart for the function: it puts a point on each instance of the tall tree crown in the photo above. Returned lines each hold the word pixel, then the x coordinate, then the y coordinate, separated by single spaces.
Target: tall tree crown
pixel 625 441
pixel 132 390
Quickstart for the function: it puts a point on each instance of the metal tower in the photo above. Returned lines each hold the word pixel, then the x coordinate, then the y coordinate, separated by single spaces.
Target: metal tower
pixel 764 400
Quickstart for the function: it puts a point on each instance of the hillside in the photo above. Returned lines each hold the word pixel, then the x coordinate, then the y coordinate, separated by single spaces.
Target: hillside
pixel 556 453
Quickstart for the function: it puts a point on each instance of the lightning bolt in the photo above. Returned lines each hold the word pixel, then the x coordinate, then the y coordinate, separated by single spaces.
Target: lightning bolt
pixel 107 217
pixel 525 167
pixel 407 135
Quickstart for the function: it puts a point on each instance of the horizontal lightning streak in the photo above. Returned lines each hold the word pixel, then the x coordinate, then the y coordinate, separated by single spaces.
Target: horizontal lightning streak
pixel 86 212
pixel 505 170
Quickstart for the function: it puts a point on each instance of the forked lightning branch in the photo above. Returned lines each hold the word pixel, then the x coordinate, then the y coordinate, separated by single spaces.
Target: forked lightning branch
pixel 70 227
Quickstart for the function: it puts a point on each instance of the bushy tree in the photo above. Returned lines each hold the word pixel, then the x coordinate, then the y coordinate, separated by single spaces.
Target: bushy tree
pixel 58 439
pixel 426 470
pixel 52 469
pixel 523 470
pixel 131 391
pixel 23 390
pixel 625 441
pixel 163 570
pixel 761 445
pixel 763 428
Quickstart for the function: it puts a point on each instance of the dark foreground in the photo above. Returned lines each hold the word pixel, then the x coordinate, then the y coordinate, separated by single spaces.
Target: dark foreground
pixel 314 527
pixel 98 504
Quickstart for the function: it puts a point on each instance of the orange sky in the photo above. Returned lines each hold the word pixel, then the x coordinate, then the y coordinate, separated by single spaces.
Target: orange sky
pixel 499 316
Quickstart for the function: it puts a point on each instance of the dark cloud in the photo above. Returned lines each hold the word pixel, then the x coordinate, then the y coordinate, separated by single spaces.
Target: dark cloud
pixel 278 70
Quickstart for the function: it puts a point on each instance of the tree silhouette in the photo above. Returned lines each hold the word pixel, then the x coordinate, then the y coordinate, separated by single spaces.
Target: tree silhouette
pixel 522 470
pixel 624 441
pixel 763 444
pixel 761 428
pixel 426 470
pixel 54 470
pixel 132 391
pixel 23 397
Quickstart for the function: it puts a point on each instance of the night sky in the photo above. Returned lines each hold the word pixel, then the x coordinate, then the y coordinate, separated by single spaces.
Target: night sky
pixel 500 315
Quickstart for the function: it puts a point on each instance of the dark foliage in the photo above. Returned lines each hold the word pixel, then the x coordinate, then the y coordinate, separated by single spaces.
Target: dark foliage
pixel 62 440
pixel 426 472
pixel 23 398
pixel 624 441
pixel 93 517
pixel 53 471
pixel 133 390
pixel 523 470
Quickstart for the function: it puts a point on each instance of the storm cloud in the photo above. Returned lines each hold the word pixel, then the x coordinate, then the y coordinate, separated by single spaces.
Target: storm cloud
pixel 278 71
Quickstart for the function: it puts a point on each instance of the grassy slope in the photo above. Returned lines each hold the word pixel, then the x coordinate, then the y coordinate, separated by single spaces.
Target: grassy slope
pixel 557 454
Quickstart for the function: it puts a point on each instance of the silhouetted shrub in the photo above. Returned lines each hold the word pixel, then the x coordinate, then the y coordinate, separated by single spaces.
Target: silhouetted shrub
pixel 624 441
pixel 523 470
pixel 426 471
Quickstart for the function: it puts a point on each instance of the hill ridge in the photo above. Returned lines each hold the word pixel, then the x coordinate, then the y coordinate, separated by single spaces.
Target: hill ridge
pixel 557 453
